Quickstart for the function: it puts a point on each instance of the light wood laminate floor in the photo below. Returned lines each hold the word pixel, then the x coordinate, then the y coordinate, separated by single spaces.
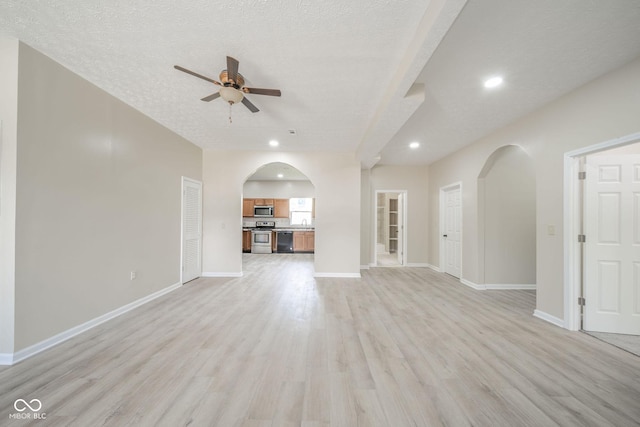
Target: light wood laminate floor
pixel 276 347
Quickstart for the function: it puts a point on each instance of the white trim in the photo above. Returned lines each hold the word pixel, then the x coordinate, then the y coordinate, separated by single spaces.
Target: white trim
pixel 549 318
pixel 364 267
pixel 511 287
pixel 418 264
pixel 472 285
pixel 6 359
pixel 499 286
pixel 434 268
pixel 221 274
pixel 345 275
pixel 76 330
pixel 572 208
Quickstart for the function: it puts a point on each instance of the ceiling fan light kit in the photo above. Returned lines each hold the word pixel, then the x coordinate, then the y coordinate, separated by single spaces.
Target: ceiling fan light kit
pixel 231 95
pixel 232 87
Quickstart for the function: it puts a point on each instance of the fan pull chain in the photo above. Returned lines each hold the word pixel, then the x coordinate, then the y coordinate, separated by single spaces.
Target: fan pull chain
pixel 230 113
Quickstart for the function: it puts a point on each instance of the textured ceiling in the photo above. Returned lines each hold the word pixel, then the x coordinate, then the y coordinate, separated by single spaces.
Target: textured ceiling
pixel 360 76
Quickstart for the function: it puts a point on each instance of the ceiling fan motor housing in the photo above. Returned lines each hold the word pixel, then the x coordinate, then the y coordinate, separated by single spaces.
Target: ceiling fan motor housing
pixel 224 78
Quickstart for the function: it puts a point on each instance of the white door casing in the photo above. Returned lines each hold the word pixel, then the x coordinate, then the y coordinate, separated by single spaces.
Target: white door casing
pixel 191 252
pixel 612 247
pixel 451 220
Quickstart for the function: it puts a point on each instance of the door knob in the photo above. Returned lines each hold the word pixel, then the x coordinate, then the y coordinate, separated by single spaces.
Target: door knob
pixel 444 235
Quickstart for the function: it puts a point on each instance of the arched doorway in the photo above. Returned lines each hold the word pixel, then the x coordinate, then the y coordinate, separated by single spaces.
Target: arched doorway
pixel 507 220
pixel 278 211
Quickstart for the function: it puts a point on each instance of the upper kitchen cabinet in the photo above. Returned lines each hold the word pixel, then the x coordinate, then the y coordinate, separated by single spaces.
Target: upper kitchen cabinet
pixel 247 207
pixel 281 208
pixel 263 202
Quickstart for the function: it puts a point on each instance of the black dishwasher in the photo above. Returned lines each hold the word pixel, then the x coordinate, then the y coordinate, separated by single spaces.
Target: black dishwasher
pixel 285 242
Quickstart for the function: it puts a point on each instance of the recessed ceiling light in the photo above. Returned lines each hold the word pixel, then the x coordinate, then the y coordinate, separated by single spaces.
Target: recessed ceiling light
pixel 493 82
pixel 280 175
pixel 414 145
pixel 273 143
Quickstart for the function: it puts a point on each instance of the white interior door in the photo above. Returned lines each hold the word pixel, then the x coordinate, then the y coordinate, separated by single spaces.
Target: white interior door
pixel 452 232
pixel 612 248
pixel 401 229
pixel 191 229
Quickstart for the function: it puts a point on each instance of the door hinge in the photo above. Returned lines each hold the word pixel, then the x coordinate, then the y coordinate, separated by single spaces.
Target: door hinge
pixel 582 238
pixel 581 301
pixel 582 175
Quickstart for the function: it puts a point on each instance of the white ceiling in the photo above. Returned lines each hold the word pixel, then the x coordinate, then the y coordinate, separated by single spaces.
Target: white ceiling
pixel 363 76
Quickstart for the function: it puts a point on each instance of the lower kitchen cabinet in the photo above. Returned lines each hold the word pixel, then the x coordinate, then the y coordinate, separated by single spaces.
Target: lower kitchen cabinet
pixel 246 241
pixel 304 241
pixel 274 242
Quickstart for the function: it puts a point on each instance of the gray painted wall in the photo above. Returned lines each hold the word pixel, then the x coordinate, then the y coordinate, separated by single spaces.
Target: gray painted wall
pixel 98 196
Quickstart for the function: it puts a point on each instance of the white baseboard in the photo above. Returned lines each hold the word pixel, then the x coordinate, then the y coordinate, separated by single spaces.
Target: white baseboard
pixel 434 268
pixel 76 330
pixel 549 318
pixel 472 285
pixel 511 287
pixel 221 274
pixel 6 359
pixel 418 264
pixel 498 286
pixel 344 275
pixel 364 267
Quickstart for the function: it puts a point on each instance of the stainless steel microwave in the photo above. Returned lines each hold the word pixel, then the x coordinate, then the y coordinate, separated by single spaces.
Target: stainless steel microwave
pixel 263 211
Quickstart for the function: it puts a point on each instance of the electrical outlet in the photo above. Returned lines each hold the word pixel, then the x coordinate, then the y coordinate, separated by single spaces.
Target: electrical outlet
pixel 133 275
pixel 551 230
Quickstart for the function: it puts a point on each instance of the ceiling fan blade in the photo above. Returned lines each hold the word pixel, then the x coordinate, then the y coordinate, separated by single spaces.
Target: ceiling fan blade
pixel 256 91
pixel 211 97
pixel 232 68
pixel 193 73
pixel 249 105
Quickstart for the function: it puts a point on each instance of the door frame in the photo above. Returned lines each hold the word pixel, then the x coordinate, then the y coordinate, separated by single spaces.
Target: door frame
pixel 404 225
pixel 182 200
pixel 573 205
pixel 441 227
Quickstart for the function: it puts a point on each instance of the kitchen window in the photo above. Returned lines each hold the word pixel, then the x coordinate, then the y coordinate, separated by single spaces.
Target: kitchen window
pixel 300 210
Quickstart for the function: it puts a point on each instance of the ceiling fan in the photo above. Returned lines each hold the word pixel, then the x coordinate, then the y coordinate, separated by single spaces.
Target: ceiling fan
pixel 232 88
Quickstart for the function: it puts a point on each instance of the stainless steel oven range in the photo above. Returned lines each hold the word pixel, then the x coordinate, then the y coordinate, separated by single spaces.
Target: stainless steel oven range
pixel 261 237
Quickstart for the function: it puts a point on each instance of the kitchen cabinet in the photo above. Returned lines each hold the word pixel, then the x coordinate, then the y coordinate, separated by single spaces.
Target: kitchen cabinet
pixel 263 202
pixel 246 241
pixel 247 207
pixel 274 241
pixel 304 241
pixel 281 208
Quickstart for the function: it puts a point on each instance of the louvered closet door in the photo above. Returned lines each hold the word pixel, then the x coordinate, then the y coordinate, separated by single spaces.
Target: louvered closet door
pixel 191 229
pixel 612 248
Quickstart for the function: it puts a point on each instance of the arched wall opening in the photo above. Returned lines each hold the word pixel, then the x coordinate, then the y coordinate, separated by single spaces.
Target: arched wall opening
pixel 507 220
pixel 281 183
